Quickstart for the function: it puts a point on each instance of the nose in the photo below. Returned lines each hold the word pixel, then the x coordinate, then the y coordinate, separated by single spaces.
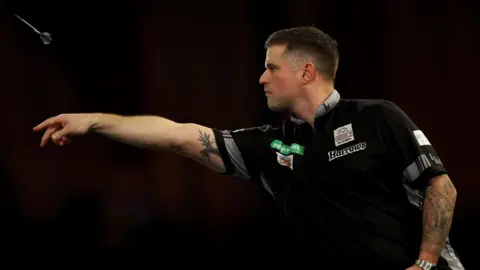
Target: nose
pixel 263 78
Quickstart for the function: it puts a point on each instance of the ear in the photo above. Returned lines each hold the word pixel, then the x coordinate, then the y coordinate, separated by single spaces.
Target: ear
pixel 308 74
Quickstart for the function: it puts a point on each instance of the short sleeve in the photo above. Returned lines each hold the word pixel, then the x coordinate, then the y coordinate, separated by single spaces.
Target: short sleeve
pixel 407 146
pixel 242 150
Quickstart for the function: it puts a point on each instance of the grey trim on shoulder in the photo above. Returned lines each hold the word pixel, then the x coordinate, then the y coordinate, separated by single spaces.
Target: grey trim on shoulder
pixel 410 174
pixel 235 156
pixel 413 171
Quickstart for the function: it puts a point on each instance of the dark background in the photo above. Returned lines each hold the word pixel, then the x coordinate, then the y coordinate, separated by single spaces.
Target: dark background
pixel 200 62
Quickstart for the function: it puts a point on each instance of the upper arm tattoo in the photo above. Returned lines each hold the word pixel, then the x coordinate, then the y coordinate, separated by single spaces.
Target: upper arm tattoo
pixel 208 144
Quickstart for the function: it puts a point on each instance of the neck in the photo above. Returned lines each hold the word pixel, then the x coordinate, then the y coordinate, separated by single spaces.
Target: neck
pixel 306 105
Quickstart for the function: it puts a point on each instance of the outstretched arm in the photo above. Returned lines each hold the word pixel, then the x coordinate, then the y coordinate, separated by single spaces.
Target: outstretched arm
pixel 191 140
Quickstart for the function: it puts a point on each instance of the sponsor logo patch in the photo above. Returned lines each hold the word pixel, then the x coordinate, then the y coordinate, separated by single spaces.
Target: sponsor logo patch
pixel 343 135
pixel 332 155
pixel 285 160
pixel 287 149
pixel 421 138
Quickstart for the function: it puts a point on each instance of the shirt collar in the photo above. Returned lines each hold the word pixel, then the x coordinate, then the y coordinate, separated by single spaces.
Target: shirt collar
pixel 329 103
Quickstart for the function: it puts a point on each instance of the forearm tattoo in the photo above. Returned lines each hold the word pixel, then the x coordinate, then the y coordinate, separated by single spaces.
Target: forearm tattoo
pixel 204 138
pixel 437 215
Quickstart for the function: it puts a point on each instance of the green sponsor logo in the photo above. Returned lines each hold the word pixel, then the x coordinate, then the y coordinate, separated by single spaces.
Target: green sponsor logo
pixel 287 149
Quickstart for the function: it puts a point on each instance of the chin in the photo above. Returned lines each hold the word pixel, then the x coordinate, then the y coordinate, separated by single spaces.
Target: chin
pixel 277 108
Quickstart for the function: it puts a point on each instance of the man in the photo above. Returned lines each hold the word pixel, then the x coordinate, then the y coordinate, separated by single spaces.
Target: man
pixel 357 177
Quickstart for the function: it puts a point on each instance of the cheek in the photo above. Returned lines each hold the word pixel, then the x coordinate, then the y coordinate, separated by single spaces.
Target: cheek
pixel 286 86
pixel 282 83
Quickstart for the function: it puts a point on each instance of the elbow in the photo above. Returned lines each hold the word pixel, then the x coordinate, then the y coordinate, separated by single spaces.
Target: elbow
pixel 454 193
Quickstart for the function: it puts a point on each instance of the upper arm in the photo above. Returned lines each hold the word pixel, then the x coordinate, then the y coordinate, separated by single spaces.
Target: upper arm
pixel 198 143
pixel 238 153
pixel 407 146
pixel 242 150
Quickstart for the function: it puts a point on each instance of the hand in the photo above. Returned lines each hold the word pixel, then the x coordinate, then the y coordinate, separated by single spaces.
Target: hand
pixel 414 267
pixel 63 127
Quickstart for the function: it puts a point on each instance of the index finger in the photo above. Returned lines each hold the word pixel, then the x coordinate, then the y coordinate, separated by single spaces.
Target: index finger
pixel 45 124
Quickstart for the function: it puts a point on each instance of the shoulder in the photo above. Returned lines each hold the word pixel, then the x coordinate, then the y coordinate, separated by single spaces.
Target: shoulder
pixel 256 129
pixel 372 108
pixel 367 104
pixel 254 133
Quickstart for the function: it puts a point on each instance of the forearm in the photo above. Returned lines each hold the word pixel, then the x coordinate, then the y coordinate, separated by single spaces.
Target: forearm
pixel 151 132
pixel 438 207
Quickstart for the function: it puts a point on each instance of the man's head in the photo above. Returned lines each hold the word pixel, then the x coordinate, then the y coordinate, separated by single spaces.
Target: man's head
pixel 296 59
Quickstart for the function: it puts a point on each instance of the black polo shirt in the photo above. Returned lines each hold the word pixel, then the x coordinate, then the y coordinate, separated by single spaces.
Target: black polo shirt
pixel 354 185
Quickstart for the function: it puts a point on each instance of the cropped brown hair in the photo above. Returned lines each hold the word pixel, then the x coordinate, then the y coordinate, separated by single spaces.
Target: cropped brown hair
pixel 309 42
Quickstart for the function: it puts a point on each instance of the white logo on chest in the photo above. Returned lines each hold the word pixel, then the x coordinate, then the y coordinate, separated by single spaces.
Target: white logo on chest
pixel 346 151
pixel 343 135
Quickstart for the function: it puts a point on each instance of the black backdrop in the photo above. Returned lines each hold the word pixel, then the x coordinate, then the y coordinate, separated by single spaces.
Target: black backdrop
pixel 200 62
